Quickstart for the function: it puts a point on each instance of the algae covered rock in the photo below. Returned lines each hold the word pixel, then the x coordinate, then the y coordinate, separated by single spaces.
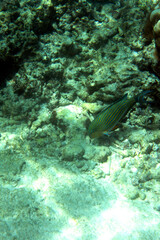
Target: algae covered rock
pixel 72 151
pixel 132 193
pixel 97 153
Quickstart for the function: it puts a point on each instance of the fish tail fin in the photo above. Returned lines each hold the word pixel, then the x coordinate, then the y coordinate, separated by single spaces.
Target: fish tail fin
pixel 140 97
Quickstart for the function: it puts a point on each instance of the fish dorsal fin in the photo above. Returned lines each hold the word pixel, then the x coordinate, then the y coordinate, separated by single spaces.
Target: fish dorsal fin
pixel 118 100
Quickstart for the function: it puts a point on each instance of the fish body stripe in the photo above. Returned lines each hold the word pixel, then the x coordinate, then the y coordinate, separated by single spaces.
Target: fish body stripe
pixel 119 111
pixel 108 119
pixel 113 116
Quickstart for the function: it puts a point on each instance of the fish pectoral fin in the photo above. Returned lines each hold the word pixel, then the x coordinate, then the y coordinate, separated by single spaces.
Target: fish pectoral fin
pixel 106 133
pixel 115 127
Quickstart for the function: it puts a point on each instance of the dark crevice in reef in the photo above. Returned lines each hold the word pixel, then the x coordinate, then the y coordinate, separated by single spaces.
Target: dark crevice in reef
pixel 8 69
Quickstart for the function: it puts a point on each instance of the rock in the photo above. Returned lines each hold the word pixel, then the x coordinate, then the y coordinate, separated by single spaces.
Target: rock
pixel 132 193
pixel 71 152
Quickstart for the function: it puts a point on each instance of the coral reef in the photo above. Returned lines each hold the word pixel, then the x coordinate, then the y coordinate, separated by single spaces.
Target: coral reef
pixel 67 60
pixel 21 24
pixel 152 31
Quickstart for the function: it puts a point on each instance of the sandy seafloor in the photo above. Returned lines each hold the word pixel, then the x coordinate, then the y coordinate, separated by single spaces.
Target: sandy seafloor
pixel 65 61
pixel 43 197
pixel 47 201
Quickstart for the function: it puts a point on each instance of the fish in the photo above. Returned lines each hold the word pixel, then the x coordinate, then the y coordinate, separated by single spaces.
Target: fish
pixel 109 118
